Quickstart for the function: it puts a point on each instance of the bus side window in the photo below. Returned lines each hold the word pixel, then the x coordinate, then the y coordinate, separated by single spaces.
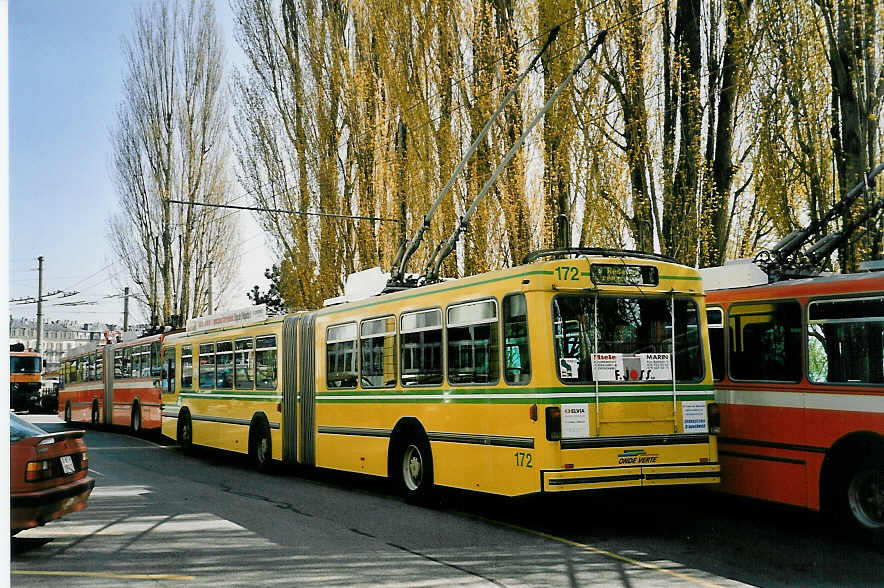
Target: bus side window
pixel 186 366
pixel 377 352
pixel 155 360
pixel 340 356
pixel 420 347
pixel 145 362
pixel 244 364
pixel 516 351
pixel 473 356
pixel 126 370
pixel 207 366
pixel 168 371
pixel 224 365
pixel 845 340
pixel 766 341
pixel 715 324
pixel 265 362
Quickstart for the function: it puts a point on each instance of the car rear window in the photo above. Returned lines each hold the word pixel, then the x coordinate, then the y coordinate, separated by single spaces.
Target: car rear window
pixel 21 429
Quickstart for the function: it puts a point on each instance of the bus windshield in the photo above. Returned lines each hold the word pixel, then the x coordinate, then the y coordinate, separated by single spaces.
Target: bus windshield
pixel 24 365
pixel 626 339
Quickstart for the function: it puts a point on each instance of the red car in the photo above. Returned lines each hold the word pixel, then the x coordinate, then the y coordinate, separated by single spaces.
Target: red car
pixel 47 474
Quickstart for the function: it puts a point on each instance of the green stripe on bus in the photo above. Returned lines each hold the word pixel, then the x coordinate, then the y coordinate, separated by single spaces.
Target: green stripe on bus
pixel 236 395
pixel 586 390
pixel 526 399
pixel 689 278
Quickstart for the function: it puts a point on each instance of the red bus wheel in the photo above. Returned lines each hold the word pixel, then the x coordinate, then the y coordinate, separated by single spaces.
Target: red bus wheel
pixel 864 496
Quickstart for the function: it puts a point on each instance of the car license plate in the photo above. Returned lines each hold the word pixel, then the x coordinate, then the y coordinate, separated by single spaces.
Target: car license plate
pixel 67 464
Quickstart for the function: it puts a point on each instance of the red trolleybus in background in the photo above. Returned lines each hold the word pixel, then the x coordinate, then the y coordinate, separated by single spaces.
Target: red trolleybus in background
pixel 115 384
pixel 799 370
pixel 24 378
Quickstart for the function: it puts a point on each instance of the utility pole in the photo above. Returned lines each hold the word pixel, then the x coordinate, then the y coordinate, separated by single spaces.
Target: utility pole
pixel 39 303
pixel 211 306
pixel 125 309
pixel 155 320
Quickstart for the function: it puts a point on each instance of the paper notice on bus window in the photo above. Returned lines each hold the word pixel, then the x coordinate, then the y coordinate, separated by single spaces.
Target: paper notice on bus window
pixel 639 367
pixel 575 421
pixel 569 368
pixel 693 416
pixel 656 366
pixel 607 367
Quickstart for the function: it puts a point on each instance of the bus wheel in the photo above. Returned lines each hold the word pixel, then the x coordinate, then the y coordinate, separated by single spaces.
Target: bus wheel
pixel 67 412
pixel 416 471
pixel 863 496
pixel 94 413
pixel 136 419
pixel 260 444
pixel 185 431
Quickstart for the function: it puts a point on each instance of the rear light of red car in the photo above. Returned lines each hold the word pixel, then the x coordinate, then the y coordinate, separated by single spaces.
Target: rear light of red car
pixel 38 470
pixel 46 469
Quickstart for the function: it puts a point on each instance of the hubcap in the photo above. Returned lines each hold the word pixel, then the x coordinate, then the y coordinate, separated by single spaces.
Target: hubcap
pixel 412 467
pixel 866 498
pixel 263 449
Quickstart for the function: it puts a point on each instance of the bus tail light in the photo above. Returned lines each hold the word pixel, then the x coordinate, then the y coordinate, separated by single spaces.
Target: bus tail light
pixel 714 415
pixel 553 423
pixel 532 413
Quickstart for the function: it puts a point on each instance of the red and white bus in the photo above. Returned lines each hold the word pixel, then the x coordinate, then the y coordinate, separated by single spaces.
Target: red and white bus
pixel 117 384
pixel 799 371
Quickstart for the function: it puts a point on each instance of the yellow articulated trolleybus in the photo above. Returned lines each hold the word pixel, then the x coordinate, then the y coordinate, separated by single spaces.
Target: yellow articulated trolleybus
pixel 588 371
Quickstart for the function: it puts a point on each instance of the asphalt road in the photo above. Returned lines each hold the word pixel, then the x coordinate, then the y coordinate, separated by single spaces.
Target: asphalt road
pixel 159 517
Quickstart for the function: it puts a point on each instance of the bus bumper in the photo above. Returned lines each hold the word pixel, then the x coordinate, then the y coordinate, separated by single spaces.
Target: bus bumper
pixel 657 475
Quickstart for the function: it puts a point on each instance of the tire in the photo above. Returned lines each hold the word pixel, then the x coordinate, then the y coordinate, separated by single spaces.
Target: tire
pixel 862 497
pixel 414 465
pixel 95 413
pixel 136 419
pixel 260 444
pixel 67 413
pixel 185 432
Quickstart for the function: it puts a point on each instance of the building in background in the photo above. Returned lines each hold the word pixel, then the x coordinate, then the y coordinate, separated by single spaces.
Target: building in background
pixel 59 337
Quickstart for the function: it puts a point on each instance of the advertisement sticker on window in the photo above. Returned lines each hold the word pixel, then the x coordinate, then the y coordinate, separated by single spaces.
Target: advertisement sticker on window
pixel 638 367
pixel 693 416
pixel 569 368
pixel 575 421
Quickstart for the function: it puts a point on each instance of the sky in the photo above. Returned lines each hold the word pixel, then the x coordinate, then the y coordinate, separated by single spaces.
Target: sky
pixel 65 82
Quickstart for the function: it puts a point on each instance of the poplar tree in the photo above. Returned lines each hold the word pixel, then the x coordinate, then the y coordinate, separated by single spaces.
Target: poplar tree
pixel 169 143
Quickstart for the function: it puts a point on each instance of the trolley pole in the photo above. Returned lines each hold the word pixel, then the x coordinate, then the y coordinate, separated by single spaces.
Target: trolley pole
pixel 39 303
pixel 125 309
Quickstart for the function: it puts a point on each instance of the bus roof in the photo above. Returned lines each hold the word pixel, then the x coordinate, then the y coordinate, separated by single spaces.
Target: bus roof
pixel 819 286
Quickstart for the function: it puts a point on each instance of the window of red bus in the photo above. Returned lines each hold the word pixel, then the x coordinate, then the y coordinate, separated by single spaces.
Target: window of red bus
pixel 765 341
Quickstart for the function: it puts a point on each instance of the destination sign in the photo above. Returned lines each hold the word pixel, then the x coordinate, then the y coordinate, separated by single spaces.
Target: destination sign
pixel 624 275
